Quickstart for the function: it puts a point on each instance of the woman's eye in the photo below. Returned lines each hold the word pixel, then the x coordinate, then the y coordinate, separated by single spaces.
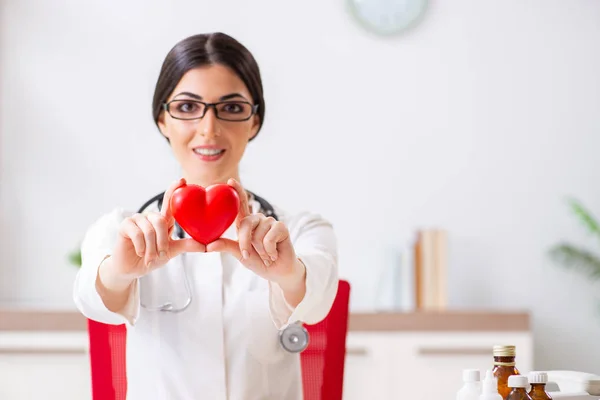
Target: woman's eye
pixel 187 107
pixel 233 108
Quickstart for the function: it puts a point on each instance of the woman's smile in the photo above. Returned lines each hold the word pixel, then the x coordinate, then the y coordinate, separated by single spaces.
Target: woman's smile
pixel 209 153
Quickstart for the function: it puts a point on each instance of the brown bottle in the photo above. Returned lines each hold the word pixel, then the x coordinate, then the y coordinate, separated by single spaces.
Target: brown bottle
pixel 538 381
pixel 518 383
pixel 504 366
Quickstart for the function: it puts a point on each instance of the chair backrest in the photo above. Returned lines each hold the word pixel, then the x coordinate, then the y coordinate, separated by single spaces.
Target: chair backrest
pixel 107 357
pixel 324 358
pixel 322 361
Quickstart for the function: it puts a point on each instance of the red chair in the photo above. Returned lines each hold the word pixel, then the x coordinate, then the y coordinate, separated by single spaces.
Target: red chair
pixel 322 361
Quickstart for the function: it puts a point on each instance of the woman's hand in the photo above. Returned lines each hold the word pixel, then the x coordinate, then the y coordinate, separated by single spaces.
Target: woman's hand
pixel 264 246
pixel 144 244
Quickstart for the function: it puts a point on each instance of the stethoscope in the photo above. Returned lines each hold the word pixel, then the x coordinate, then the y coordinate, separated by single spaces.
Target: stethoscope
pixel 294 338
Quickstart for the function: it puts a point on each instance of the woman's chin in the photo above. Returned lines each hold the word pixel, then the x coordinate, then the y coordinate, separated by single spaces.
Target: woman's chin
pixel 207 178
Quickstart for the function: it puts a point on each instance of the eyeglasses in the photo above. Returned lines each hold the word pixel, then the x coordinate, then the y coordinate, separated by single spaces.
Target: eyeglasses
pixel 224 110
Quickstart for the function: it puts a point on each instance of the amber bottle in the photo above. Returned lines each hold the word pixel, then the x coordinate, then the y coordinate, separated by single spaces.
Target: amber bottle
pixel 518 383
pixel 538 381
pixel 504 366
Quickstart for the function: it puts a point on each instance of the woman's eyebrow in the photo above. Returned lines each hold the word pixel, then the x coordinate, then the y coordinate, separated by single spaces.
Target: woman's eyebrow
pixel 197 97
pixel 231 96
pixel 192 95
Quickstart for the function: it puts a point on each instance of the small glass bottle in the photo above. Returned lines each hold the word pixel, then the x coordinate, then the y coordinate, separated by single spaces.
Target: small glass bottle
pixel 518 383
pixel 504 366
pixel 538 381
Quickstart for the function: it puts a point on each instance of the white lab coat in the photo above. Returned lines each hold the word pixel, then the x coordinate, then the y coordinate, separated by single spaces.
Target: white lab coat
pixel 225 345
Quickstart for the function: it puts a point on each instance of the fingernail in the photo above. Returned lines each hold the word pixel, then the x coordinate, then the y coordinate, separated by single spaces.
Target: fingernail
pixel 162 254
pixel 149 264
pixel 245 254
pixel 267 262
pixel 273 258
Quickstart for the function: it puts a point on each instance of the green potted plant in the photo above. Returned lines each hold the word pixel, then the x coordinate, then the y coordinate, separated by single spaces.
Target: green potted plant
pixel 579 258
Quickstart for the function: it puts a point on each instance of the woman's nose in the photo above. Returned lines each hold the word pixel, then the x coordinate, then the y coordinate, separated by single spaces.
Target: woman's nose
pixel 209 124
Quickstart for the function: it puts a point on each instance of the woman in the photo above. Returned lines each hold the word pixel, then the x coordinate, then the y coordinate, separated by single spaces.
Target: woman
pixel 260 276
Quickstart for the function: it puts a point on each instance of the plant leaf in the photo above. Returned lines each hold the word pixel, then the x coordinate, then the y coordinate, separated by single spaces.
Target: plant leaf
pixel 578 259
pixel 75 258
pixel 585 217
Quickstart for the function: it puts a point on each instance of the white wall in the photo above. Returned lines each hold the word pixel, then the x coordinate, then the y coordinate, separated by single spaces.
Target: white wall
pixel 480 120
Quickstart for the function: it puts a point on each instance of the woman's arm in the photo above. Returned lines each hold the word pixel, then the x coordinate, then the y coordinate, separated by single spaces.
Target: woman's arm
pixel 114 290
pixel 315 244
pixel 94 299
pixel 117 251
pixel 297 256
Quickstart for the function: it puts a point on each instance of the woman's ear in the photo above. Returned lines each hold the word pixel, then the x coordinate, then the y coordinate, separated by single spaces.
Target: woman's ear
pixel 255 127
pixel 161 125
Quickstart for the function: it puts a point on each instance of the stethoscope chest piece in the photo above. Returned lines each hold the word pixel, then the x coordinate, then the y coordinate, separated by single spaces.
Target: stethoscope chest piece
pixel 294 338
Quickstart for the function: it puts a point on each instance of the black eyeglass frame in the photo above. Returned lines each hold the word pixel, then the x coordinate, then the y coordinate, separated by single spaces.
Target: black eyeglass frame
pixel 165 107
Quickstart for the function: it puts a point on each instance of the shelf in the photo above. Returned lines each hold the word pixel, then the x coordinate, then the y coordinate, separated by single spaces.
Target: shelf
pixel 436 321
pixel 44 320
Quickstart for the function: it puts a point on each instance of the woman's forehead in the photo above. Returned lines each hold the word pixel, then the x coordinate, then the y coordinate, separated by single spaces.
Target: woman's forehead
pixel 211 81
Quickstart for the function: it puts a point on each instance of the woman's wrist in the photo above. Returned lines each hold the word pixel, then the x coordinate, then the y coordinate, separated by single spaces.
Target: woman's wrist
pixel 112 287
pixel 110 279
pixel 294 286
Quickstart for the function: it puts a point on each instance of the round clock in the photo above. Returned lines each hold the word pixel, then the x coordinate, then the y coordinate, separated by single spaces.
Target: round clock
pixel 387 17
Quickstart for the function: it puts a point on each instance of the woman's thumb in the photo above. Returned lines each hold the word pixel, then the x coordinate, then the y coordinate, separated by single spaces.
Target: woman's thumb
pixel 186 245
pixel 225 245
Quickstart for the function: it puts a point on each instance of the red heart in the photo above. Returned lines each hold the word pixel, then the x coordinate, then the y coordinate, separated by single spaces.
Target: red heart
pixel 205 214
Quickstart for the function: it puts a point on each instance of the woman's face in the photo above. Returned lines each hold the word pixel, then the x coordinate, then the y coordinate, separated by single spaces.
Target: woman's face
pixel 209 149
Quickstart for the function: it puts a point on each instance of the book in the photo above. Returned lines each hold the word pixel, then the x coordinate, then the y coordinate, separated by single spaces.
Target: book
pixel 430 269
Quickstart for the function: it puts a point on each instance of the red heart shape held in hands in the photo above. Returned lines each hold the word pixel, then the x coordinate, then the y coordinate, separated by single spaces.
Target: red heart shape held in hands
pixel 205 213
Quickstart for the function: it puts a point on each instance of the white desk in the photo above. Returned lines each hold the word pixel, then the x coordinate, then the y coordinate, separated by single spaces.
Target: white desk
pixel 43 355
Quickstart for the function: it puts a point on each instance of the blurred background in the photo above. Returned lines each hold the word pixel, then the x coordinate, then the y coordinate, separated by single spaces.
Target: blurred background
pixel 481 119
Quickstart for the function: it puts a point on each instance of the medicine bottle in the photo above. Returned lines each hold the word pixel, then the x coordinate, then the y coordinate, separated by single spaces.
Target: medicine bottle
pixel 471 388
pixel 538 381
pixel 504 366
pixel 518 384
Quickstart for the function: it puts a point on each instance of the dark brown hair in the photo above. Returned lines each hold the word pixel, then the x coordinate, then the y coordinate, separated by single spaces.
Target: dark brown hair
pixel 208 49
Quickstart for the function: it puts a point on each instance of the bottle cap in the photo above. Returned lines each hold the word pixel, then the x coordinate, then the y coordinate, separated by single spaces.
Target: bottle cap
pixel 538 377
pixel 517 381
pixel 471 375
pixel 504 351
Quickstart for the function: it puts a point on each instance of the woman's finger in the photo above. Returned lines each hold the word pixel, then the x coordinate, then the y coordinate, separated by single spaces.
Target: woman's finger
pixel 186 245
pixel 247 226
pixel 276 234
pixel 166 204
pixel 159 223
pixel 224 245
pixel 244 210
pixel 149 237
pixel 130 230
pixel 258 237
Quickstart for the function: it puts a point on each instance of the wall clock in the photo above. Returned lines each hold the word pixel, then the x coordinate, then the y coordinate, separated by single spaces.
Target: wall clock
pixel 387 17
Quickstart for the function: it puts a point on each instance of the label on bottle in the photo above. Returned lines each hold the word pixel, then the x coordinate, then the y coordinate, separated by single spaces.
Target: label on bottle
pixel 505 364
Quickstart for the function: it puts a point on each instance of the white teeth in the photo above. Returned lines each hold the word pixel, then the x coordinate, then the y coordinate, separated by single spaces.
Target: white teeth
pixel 208 152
